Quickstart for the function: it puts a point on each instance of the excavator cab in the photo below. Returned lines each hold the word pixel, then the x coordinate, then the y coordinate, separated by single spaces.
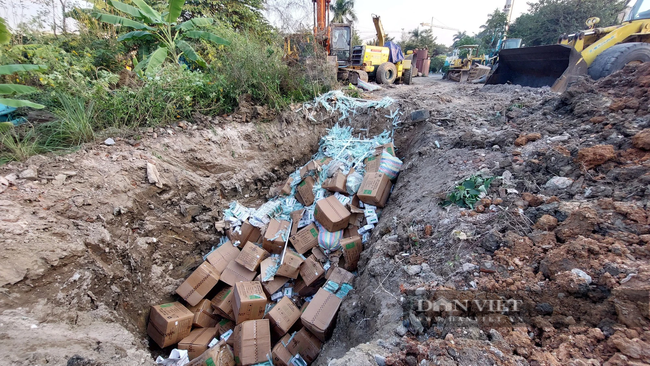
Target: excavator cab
pixel 341 43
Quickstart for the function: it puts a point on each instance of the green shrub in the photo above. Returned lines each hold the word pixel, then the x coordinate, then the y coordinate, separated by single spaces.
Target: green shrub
pixel 74 125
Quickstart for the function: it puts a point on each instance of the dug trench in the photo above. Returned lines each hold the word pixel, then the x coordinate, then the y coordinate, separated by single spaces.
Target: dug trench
pixel 89 244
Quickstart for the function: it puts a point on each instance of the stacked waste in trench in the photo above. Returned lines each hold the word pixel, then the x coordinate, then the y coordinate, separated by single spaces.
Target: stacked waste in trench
pixel 270 292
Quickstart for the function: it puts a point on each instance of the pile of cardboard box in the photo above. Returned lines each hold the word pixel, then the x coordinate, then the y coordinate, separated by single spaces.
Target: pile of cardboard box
pixel 269 294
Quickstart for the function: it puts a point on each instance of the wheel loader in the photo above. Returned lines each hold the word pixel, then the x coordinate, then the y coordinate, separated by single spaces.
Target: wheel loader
pixel 469 68
pixel 597 52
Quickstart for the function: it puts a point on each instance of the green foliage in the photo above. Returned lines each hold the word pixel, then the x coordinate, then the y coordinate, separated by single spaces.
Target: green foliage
pixel 547 20
pixel 492 31
pixel 437 63
pixel 240 15
pixel 74 124
pixel 169 35
pixel 352 91
pixel 7 90
pixel 422 39
pixel 343 11
pixel 468 192
pixel 15 145
pixel 5 36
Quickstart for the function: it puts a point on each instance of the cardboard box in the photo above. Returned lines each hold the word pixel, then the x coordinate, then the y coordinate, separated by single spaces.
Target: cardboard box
pixel 224 325
pixel 312 166
pixel 290 266
pixel 301 288
pixel 319 254
pixel 286 187
pixel 330 213
pixel 267 267
pixel 350 231
pixel 295 217
pixel 222 303
pixel 251 256
pixel 220 257
pixel 198 284
pixel 374 189
pixel 169 323
pixel 235 272
pixel 204 316
pixel 311 270
pixel 320 315
pixel 252 340
pixel 305 191
pixel 282 356
pixel 248 233
pixel 305 239
pixel 250 301
pixel 283 316
pixel 274 243
pixel 197 342
pixel 372 164
pixel 355 207
pixel 272 287
pixel 324 161
pixel 336 183
pixel 305 344
pixel 339 275
pixel 352 248
pixel 219 355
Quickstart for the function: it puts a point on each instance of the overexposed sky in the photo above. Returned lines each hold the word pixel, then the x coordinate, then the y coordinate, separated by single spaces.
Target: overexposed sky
pixel 465 15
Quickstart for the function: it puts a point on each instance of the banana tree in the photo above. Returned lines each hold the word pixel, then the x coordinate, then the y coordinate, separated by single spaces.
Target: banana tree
pixel 147 22
pixel 15 89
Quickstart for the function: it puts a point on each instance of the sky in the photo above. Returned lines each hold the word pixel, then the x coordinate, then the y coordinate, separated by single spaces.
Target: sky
pixel 466 15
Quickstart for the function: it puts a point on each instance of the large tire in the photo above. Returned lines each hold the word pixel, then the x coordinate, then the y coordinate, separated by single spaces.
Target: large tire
pixel 363 76
pixel 386 73
pixel 407 76
pixel 616 57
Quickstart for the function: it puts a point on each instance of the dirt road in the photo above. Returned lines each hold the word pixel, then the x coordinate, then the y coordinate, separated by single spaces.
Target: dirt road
pixel 88 243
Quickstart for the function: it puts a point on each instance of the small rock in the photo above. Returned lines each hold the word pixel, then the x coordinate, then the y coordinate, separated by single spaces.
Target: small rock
pixel 642 140
pixel 544 308
pixel 533 200
pixel 69 173
pixel 59 180
pixel 560 138
pixel 559 183
pixel 546 223
pixel 413 270
pixel 521 141
pixel 533 136
pixel 381 360
pixel 109 142
pixel 449 337
pixel 153 176
pixel 420 291
pixel 29 174
pixel 598 119
pixel 416 324
pixel 4 184
pixel 580 273
pixel 401 330
pixel 469 267
pixel 420 115
pixel 594 156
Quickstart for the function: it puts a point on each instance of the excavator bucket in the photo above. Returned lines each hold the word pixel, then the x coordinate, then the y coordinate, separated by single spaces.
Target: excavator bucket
pixel 555 66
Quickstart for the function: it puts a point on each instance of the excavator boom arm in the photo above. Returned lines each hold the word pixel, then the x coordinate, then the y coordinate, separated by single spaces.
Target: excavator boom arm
pixel 381 36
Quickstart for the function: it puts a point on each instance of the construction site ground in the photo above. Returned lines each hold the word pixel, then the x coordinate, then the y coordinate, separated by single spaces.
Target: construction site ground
pixel 88 244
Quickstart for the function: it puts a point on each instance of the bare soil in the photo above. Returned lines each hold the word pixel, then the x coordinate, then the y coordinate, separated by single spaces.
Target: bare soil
pixel 88 244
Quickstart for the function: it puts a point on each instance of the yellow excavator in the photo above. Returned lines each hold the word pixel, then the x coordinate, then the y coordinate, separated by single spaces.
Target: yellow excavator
pixel 597 52
pixel 384 64
pixel 469 68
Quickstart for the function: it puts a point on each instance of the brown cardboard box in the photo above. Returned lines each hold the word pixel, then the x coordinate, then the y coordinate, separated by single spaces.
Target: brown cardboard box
pixel 266 267
pixel 336 183
pixel 222 303
pixel 350 231
pixel 318 253
pixel 272 287
pixel 286 187
pixel 374 189
pixel 300 288
pixel 275 246
pixel 320 315
pixel 281 356
pixel 219 355
pixel 306 344
pixel 224 325
pixel 248 233
pixel 290 266
pixel 169 323
pixel 339 275
pixel 305 239
pixel 251 256
pixel 283 316
pixel 197 342
pixel 252 340
pixel 352 248
pixel 330 213
pixel 312 166
pixel 198 284
pixel 311 270
pixel 204 316
pixel 305 191
pixel 220 257
pixel 235 272
pixel 355 209
pixel 295 217
pixel 250 301
pixel 372 164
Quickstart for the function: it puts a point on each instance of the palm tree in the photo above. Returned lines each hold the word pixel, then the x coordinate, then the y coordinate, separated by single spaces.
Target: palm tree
pixel 343 11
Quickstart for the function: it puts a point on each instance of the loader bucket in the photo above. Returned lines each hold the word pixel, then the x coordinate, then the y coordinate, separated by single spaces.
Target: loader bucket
pixel 538 66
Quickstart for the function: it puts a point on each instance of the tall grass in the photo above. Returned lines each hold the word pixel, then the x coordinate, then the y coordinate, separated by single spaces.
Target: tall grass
pixel 74 125
pixel 14 146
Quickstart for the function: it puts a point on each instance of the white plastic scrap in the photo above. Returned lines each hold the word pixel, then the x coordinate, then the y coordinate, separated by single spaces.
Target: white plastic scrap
pixel 337 101
pixel 345 200
pixel 263 215
pixel 177 357
pixel 225 336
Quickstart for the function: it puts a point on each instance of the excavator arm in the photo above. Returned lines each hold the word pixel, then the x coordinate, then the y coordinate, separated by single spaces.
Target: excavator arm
pixel 321 22
pixel 381 36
